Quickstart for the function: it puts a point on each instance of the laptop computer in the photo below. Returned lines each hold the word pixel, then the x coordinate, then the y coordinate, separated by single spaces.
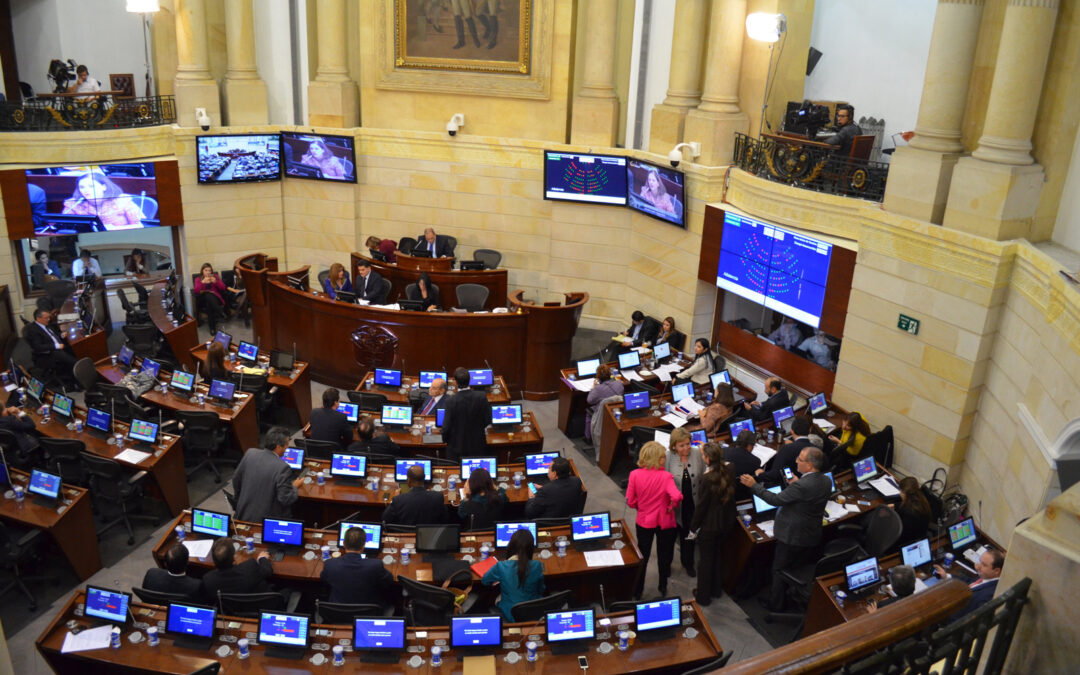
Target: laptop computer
pixel 783 418
pixel 223 338
pixel 351 410
pixel 818 404
pixel 718 378
pixel 738 427
pixel 762 506
pixel 587 367
pixel 429 376
pixel 661 351
pixel 62 406
pixel 437 541
pixel 864 470
pixel 124 356
pixel 628 360
pixel 151 366
pixel 862 577
pixel 396 416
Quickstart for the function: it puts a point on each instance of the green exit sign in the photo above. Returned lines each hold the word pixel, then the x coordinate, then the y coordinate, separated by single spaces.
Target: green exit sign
pixel 908 324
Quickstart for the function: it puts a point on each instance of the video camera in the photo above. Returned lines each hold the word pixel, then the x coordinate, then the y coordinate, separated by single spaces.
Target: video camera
pixel 61 74
pixel 805 118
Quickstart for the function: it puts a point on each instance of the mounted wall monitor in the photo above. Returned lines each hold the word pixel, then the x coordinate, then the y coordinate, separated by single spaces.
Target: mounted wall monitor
pixel 95 198
pixel 319 156
pixel 656 191
pixel 239 158
pixel 577 177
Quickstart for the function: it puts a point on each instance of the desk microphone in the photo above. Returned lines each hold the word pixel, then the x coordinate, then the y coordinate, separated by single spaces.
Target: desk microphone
pixel 603 601
pixel 112 421
pixel 294 353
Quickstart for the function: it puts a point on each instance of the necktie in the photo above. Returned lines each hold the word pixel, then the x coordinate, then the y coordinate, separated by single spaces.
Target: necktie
pixel 428 406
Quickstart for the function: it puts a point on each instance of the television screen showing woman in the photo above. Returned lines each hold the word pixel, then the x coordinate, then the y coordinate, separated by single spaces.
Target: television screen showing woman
pixel 656 191
pixel 319 157
pixel 95 198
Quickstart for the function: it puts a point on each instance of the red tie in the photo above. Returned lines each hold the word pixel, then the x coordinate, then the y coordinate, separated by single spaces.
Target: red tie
pixel 428 406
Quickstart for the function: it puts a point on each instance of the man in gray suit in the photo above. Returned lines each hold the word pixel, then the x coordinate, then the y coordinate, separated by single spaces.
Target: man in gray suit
pixel 263 482
pixel 798 521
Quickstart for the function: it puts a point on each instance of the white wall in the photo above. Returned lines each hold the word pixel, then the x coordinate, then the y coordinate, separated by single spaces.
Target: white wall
pixel 661 26
pixel 1067 228
pixel 274 57
pixel 37 40
pixel 874 57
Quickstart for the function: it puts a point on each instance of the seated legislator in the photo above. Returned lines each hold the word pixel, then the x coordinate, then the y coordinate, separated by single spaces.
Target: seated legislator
pixel 902 582
pixel 720 410
pixel 250 576
pixel 174 578
pixel 354 579
pixel 788 454
pixel 850 438
pixel 560 498
pixel 667 333
pixel 467 418
pixel 436 398
pixel 20 425
pixel 777 398
pixel 982 589
pixel 605 387
pixel 210 293
pixel 43 269
pixel 435 244
pixel 426 293
pixel 337 280
pixel 371 442
pixel 85 265
pixel 416 505
pixel 383 247
pixel 914 511
pixel 846 129
pixel 263 481
pixel 642 329
pixel 96 195
pixel 483 504
pixel 328 423
pixel 48 345
pixel 520 578
pixel 741 460
pixel 698 372
pixel 215 362
pixel 369 284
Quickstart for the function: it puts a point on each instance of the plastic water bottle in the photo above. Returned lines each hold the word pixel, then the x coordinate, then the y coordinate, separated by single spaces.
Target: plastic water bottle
pixel 404 555
pixel 436 656
pixel 152 636
pixel 114 639
pixel 180 533
pixel 242 650
pixel 485 551
pixel 530 651
pixel 250 543
pixel 325 553
pixel 561 544
pixel 624 641
pixel 339 655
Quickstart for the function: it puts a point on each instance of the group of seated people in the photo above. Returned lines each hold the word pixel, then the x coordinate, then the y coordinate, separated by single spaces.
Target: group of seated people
pixel 808 343
pixel 214 297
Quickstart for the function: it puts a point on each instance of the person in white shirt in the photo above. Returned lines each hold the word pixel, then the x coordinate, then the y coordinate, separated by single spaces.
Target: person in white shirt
pixel 85 264
pixel 787 335
pixel 84 84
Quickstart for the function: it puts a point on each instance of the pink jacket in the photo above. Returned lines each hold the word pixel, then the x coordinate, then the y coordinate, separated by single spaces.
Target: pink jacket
pixel 653 493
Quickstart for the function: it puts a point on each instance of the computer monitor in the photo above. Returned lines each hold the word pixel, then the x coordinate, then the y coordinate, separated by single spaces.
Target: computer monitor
pixel 481 377
pixel 438 538
pixel 379 635
pixel 657 620
pixel 738 427
pixel 143 431
pixel 396 415
pixel 681 391
pixel 151 366
pixel 917 553
pixel 401 466
pixel 99 420
pixel 590 527
pixel 630 359
pixel 387 378
pixel 505 415
pixel 61 405
pixel 125 355
pixel 294 457
pixel 286 634
pixel 223 338
pixel 587 368
pixel 636 401
pixel 832 482
pixel 762 506
pixel 192 626
pixel 781 416
pixel 470 463
pixel 661 351
pixel 538 464
pixel 5 475
pixel 43 484
pixel 569 632
pixel 718 378
pixel 182 380
pixel 248 352
pixel 818 404
pixel 373 535
pixel 440 415
pixel 348 466
pixel 407 305
pixel 864 469
pixel 351 410
pixel 36 388
pixel 282 360
pixel 283 532
pixel 475 633
pixel 107 604
pixel 429 376
pixel 503 532
pixel 222 390
pixel 962 534
pixel 862 574
pixel 210 522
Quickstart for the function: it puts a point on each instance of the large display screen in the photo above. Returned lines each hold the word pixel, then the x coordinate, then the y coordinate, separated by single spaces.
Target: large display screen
pixel 781 270
pixel 656 191
pixel 239 159
pixel 319 156
pixel 574 177
pixel 94 198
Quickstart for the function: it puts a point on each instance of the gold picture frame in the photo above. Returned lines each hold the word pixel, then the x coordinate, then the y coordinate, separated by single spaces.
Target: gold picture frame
pixel 469 36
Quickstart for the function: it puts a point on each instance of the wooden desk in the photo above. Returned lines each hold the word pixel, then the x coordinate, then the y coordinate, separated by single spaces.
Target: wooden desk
pixel 181 338
pixel 165 465
pixel 408 270
pixel 497 394
pixel 333 501
pixel 675 655
pixel 295 387
pixel 73 530
pixel 90 345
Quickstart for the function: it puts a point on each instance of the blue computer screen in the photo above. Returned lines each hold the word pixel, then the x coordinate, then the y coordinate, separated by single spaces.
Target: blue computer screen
pixel 287 532
pixel 401 466
pixel 379 634
pixel 470 463
pixel 475 631
pixel 351 411
pixel 574 625
pixel 141 430
pixel 699 436
pixel 818 404
pixel 506 414
pixel 738 427
pixel 440 415
pixel 658 614
pixel 481 378
pixel 681 391
pixel 44 484
pixel 782 414
pixel 354 466
pixel 388 378
pixel 98 419
pixel 283 629
pixel 151 366
pixel 538 465
pixel 62 405
pixel 209 522
pixel 373 532
pixel 636 400
pixel 125 355
pixel 503 532
pixel 248 351
pixel 223 339
pixel 762 506
pixel 590 526
pixel 102 603
pixel 429 376
pixel 576 177
pixel 182 380
pixel 220 389
pixel 190 620
pixel 720 376
pixel 864 469
pixel 294 457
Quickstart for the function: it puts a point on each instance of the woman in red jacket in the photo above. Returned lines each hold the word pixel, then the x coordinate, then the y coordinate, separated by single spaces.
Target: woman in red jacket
pixel 653 493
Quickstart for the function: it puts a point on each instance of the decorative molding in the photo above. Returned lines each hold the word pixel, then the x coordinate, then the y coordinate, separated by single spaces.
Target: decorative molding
pixel 1042 442
pixel 1037 4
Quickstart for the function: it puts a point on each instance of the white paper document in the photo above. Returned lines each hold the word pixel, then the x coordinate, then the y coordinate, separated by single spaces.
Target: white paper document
pixel 603 558
pixel 825 425
pixel 834 510
pixel 762 452
pixel 133 456
pixel 691 405
pixel 885 487
pixel 767 527
pixel 852 508
pixel 583 385
pixel 199 548
pixel 674 420
pixel 91 638
pixel 663 438
pixel 631 375
pixel 663 375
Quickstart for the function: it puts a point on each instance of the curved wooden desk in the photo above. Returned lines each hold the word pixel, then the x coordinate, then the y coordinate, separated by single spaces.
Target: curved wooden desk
pixel 409 269
pixel 182 338
pixel 424 263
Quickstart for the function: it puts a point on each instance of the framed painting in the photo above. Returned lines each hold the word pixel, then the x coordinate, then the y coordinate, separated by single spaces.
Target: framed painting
pixel 479 36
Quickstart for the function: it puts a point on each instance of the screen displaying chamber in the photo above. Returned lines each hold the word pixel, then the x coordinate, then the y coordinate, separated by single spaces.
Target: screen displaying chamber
pixel 190 620
pixel 538 464
pixel 401 467
pixel 506 414
pixel 285 532
pixel 182 380
pixel 223 339
pixel 372 532
pixel 573 625
pixel 481 377
pixel 739 427
pixel 637 400
pixel 354 466
pixel 438 538
pixel 388 378
pixel 98 419
pixel 629 359
pixel 248 351
pixel 238 159
pixel 818 404
pixel 319 156
pixel 762 506
pixel 470 463
pixel 102 603
pixel 590 526
pixel 658 614
pixel 61 405
pixel 782 270
pixel 475 631
pixel 661 351
pixel 151 366
pixel 681 391
pixel 503 532
pixel 782 414
pixel 962 533
pixel 429 376
pixel 351 411
pixel 575 177
pixel 916 554
pixel 210 522
pixel 125 355
pixel 222 390
pixel 864 469
pixel 862 574
pixel 294 457
pixel 379 634
pixel 141 430
pixel 656 191
pixel 290 630
pixel 587 368
pixel 397 415
pixel 94 198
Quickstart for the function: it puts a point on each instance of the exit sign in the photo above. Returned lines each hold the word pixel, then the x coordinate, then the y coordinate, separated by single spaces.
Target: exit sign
pixel 908 324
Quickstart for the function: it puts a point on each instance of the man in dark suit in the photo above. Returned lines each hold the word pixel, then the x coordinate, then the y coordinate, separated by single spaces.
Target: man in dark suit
pixel 798 521
pixel 982 589
pixel 250 576
pixel 354 579
pixel 173 578
pixel 435 244
pixel 368 284
pixel 328 423
pixel 370 442
pixel 48 346
pixel 902 581
pixel 560 498
pixel 777 399
pixel 465 423
pixel 418 505
pixel 742 460
pixel 788 454
pixel 642 329
pixel 436 397
pixel 21 427
pixel 263 481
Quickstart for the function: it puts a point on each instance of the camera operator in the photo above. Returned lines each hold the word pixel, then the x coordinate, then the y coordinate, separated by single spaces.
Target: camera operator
pixel 84 83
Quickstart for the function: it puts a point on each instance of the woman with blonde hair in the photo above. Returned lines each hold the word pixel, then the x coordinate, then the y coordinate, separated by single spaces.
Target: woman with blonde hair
pixel 337 280
pixel 653 493
pixel 320 157
pixel 686 466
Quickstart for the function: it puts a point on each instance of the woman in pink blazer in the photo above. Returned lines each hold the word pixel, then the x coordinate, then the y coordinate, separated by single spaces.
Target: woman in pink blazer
pixel 653 493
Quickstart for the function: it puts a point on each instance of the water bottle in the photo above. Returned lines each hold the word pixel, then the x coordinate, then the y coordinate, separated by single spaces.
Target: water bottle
pixel 242 651
pixel 485 551
pixel 840 598
pixel 530 651
pixel 19 493
pixel 339 655
pixel 325 553
pixel 624 641
pixel 436 656
pixel 250 544
pixel 562 548
pixel 321 477
pixel 404 555
pixel 180 533
pixel 451 482
pixel 114 639
pixel 152 636
pixel 517 480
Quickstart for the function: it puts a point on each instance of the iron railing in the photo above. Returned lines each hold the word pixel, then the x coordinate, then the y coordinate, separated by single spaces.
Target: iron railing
pixel 82 114
pixel 811 168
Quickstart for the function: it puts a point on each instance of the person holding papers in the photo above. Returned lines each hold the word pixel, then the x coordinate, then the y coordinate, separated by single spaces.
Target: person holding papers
pixel 642 329
pixel 652 491
pixel 686 466
pixel 520 578
pixel 698 372
pixel 604 387
pixel 778 398
pixel 788 455
pixel 742 460
pixel 854 433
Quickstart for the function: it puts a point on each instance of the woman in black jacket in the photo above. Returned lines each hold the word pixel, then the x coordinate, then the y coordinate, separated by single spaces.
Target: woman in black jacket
pixel 483 504
pixel 714 517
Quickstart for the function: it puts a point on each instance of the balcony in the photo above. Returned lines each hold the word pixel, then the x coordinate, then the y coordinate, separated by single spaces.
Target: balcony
pixel 67 113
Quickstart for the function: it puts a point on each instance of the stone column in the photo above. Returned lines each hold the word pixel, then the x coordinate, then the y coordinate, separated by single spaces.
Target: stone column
pixel 332 96
pixel 920 173
pixel 245 91
pixel 715 121
pixel 995 192
pixel 193 85
pixel 596 105
pixel 684 76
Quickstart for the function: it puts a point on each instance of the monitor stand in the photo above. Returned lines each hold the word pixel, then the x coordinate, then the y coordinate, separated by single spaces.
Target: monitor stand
pixel 657 634
pixel 278 552
pixel 281 652
pixel 193 642
pixel 46 502
pixel 349 480
pixel 569 646
pixel 380 656
pixel 592 544
pixel 633 414
pixel 505 428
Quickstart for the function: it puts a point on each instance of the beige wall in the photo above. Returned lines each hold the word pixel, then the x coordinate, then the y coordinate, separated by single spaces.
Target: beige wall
pixel 790 65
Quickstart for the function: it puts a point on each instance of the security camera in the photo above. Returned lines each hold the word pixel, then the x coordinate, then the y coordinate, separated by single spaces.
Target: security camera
pixel 455 123
pixel 202 119
pixel 676 156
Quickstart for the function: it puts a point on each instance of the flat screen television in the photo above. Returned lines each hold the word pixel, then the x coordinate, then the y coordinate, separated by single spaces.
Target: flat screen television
pixel 656 191
pixel 319 156
pixel 92 198
pixel 577 177
pixel 239 158
pixel 782 270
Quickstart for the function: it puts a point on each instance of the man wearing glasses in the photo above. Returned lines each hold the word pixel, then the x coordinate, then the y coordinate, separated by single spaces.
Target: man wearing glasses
pixel 846 129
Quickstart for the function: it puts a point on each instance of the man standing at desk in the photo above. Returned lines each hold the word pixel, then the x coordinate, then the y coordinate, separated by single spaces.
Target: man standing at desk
pixel 263 481
pixel 368 283
pixel 846 130
pixel 798 521
pixel 465 423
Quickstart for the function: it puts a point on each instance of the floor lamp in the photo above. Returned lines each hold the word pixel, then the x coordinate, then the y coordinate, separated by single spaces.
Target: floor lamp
pixel 766 28
pixel 145 8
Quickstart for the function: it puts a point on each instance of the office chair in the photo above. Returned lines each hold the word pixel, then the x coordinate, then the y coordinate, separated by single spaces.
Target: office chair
pixel 367 401
pixel 412 292
pixel 534 610
pixel 323 276
pixel 113 487
pixel 258 386
pixel 160 598
pixel 87 376
pixel 17 546
pixel 204 440
pixel 16 456
pixel 140 290
pixel 800 582
pixel 230 498
pixel 116 401
pixel 406 245
pixel 133 316
pixel 59 291
pixel 429 605
pixel 452 241
pixel 63 457
pixel 622 606
pixel 635 385
pixel 314 449
pixel 875 534
pixel 344 613
pixel 142 338
pixel 714 665
pixel 250 605
pixel 489 256
pixel 880 446
pixel 472 297
pixel 384 294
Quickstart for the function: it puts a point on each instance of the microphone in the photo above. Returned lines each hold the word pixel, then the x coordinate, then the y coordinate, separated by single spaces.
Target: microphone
pixel 112 420
pixel 294 353
pixel 603 601
pixel 488 365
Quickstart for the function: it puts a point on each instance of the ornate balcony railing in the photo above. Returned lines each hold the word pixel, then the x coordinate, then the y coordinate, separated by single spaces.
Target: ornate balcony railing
pixel 809 167
pixel 82 114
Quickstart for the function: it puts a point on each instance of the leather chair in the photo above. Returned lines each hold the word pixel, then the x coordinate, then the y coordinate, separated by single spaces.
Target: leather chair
pixel 19 546
pixel 314 449
pixel 116 401
pixel 259 387
pixel 368 401
pixel 412 292
pixel 453 244
pixel 406 245
pixel 534 610
pixel 427 604
pixel 20 459
pixel 113 487
pixel 384 294
pixel 250 605
pixel 880 446
pixel 159 598
pixel 472 297
pixel 489 256
pixel 59 291
pixel 323 276
pixel 143 339
pixel 133 316
pixel 343 613
pixel 876 533
pixel 63 457
pixel 639 436
pixel 204 441
pixel 800 581
pixel 140 290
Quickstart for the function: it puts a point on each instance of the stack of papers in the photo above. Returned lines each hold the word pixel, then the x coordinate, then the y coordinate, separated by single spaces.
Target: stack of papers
pixel 762 452
pixel 199 548
pixel 691 406
pixel 663 438
pixel 767 527
pixel 133 456
pixel 583 385
pixel 603 558
pixel 834 511
pixel 630 375
pixel 674 419
pixel 91 638
pixel 824 425
pixel 885 486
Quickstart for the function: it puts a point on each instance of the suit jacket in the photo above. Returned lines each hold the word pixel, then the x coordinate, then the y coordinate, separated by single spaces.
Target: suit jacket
pixel 158 579
pixel 372 290
pixel 741 462
pixel 697 467
pixel 263 485
pixel 418 506
pixel 561 498
pixel 802 506
pixel 464 429
pixel 439 405
pixel 980 595
pixel 379 444
pixel 763 412
pixel 38 340
pixel 330 425
pixel 442 246
pixel 20 427
pixel 649 330
pixel 476 513
pixel 249 576
pixel 354 579
pixel 712 516
pixel 786 456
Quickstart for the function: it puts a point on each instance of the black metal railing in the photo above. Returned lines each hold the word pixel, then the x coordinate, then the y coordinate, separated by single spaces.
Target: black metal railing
pixel 82 114
pixel 812 168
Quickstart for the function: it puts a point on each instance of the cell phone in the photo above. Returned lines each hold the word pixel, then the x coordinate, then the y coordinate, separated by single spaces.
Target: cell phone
pixel 583 662
pixel 757 536
pixel 788 475
pixel 532 488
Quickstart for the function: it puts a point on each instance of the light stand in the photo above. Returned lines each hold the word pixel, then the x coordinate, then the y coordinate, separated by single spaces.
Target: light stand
pixel 145 8
pixel 766 28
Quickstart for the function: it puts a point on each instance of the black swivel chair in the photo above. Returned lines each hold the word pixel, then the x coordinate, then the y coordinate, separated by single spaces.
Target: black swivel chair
pixel 323 276
pixel 314 449
pixel 879 445
pixel 426 604
pixel 452 241
pixel 114 489
pixel 258 386
pixel 250 605
pixel 490 257
pixel 116 401
pixel 133 316
pixel 367 401
pixel 876 533
pixel 342 613
pixel 639 436
pixel 412 292
pixel 87 376
pixel 143 339
pixel 534 610
pixel 18 546
pixel 800 581
pixel 16 456
pixel 204 441
pixel 712 666
pixel 406 245
pixel 59 291
pixel 144 295
pixel 472 297
pixel 384 294
pixel 63 457
pixel 635 385
pixel 160 598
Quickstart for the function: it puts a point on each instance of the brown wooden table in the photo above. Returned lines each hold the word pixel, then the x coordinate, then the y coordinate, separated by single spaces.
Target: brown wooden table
pixel 181 338
pixel 90 345
pixel 675 655
pixel 497 394
pixel 73 530
pixel 295 387
pixel 408 270
pixel 424 263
